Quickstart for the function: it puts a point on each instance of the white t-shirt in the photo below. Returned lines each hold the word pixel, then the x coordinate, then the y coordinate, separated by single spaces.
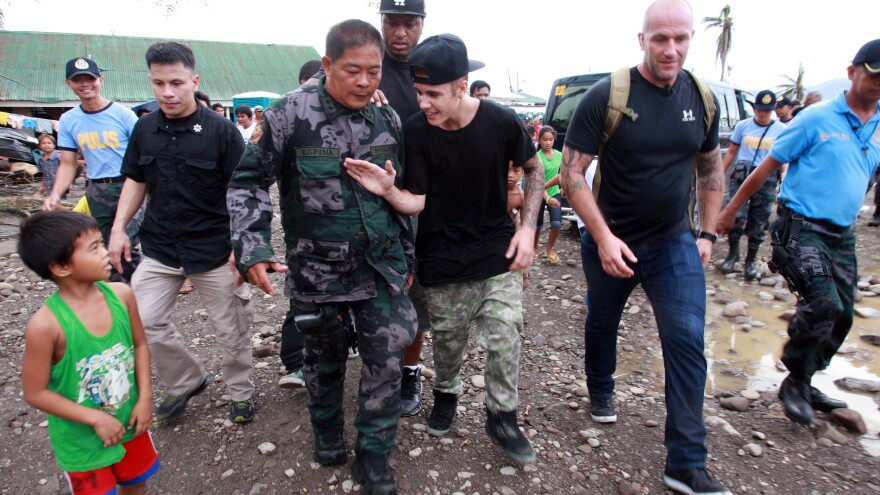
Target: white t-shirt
pixel 247 132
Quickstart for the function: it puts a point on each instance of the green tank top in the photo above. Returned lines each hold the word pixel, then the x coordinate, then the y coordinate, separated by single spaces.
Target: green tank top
pixel 95 372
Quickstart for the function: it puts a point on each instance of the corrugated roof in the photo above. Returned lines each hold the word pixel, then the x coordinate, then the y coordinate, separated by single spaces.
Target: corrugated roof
pixel 32 66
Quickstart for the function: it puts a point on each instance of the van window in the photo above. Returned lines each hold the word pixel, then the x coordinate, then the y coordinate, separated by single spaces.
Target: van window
pixel 567 99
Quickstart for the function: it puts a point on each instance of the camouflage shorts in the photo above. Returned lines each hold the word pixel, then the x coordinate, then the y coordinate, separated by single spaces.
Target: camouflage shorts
pixel 495 306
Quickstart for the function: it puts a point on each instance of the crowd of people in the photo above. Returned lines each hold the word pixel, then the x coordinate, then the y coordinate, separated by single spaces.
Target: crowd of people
pixel 386 240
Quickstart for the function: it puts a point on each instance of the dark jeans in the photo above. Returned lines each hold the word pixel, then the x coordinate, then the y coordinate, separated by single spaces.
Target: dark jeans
pixel 671 274
pixel 292 343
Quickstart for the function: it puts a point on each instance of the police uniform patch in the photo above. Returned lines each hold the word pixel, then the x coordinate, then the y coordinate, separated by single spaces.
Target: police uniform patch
pixel 81 64
pixel 767 99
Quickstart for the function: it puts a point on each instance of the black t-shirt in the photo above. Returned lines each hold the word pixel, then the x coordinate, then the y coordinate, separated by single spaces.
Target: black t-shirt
pixel 644 175
pixel 398 87
pixel 464 229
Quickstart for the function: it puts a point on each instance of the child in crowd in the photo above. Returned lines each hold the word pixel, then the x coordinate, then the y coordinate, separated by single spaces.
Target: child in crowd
pixel 86 361
pixel 551 159
pixel 49 162
pixel 515 199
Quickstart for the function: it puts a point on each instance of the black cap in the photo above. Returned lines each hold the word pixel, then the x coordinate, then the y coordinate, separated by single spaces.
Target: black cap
pixel 869 55
pixel 766 100
pixel 444 57
pixel 782 101
pixel 405 7
pixel 78 66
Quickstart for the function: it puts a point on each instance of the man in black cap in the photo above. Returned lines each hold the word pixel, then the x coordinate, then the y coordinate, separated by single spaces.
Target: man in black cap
pixel 784 109
pixel 99 129
pixel 749 144
pixel 468 252
pixel 837 143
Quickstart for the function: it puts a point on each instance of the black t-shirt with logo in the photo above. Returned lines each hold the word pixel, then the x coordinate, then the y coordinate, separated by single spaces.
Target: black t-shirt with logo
pixel 645 171
pixel 464 230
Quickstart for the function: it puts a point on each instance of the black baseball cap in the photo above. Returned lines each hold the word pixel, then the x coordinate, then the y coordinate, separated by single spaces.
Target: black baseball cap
pixel 766 100
pixel 782 101
pixel 869 55
pixel 78 66
pixel 405 7
pixel 444 57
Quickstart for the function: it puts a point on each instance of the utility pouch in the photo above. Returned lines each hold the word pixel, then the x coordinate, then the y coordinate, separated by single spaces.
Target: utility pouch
pixel 786 259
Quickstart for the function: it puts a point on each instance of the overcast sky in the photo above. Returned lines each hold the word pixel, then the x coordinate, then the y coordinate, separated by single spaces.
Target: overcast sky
pixel 535 41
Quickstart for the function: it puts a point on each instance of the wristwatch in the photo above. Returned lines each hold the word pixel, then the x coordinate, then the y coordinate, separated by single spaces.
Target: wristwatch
pixel 709 237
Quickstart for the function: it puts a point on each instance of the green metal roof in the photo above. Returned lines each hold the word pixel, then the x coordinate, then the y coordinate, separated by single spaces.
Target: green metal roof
pixel 32 66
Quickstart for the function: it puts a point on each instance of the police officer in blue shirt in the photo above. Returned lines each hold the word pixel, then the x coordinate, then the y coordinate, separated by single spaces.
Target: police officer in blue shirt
pixel 837 142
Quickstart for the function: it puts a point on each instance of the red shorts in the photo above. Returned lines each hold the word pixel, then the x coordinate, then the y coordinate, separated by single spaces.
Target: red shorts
pixel 139 463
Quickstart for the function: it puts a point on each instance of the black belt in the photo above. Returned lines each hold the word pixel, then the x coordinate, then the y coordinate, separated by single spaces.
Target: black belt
pixel 108 180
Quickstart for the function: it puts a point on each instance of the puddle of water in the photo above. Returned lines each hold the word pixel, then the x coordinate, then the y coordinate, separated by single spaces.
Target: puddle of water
pixel 740 360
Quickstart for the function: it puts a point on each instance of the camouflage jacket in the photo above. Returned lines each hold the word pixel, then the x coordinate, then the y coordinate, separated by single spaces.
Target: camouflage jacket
pixel 339 236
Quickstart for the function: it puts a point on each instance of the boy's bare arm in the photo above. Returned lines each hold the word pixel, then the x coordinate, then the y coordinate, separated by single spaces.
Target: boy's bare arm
pixel 142 414
pixel 41 338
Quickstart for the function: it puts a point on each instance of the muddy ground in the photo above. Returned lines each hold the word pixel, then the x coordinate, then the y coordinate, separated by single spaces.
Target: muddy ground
pixel 757 451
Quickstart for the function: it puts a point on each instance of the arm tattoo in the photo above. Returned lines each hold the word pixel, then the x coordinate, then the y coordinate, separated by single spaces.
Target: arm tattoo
pixel 710 176
pixel 571 173
pixel 534 192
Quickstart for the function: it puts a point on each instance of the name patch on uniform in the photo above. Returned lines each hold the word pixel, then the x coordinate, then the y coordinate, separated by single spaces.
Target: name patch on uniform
pixel 385 149
pixel 325 152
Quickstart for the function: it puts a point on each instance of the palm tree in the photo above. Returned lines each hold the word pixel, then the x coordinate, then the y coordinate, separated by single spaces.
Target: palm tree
pixel 793 86
pixel 725 37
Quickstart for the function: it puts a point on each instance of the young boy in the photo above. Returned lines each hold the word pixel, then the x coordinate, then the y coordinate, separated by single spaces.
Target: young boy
pixel 86 360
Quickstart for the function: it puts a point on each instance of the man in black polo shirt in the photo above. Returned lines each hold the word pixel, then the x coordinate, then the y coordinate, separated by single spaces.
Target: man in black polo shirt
pixel 639 233
pixel 183 156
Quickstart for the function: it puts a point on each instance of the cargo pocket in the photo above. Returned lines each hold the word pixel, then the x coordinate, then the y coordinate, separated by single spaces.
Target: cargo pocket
pixel 203 178
pixel 320 186
pixel 322 266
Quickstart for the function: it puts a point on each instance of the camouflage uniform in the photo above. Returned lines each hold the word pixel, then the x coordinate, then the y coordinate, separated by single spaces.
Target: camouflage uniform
pixel 103 199
pixel 752 218
pixel 344 245
pixel 495 304
pixel 825 311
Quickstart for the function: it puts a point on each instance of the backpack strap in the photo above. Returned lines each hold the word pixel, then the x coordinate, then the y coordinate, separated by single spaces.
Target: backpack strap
pixel 709 112
pixel 615 110
pixel 709 108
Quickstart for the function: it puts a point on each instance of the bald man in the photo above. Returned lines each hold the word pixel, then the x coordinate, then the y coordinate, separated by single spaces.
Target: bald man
pixel 649 241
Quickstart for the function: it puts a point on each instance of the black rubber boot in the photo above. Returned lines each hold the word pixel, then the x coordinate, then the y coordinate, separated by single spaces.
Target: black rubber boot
pixel 749 269
pixel 330 448
pixel 502 427
pixel 372 471
pixel 732 256
pixel 445 407
pixel 795 396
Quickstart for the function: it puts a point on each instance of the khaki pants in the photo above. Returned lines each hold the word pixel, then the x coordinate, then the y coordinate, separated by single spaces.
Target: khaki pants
pixel 155 287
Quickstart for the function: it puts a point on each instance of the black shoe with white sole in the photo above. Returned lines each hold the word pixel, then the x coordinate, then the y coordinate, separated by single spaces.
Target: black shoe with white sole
pixel 693 482
pixel 602 411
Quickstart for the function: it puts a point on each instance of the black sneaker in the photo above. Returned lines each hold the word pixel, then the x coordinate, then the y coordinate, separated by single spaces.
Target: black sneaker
pixel 373 472
pixel 602 411
pixel 502 427
pixel 410 392
pixel 445 407
pixel 693 482
pixel 330 448
pixel 242 411
pixel 174 405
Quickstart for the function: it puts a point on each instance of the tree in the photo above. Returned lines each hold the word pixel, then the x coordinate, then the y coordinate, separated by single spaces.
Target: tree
pixel 793 86
pixel 722 45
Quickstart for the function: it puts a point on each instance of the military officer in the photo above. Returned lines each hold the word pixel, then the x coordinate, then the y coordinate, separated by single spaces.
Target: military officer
pixel 345 248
